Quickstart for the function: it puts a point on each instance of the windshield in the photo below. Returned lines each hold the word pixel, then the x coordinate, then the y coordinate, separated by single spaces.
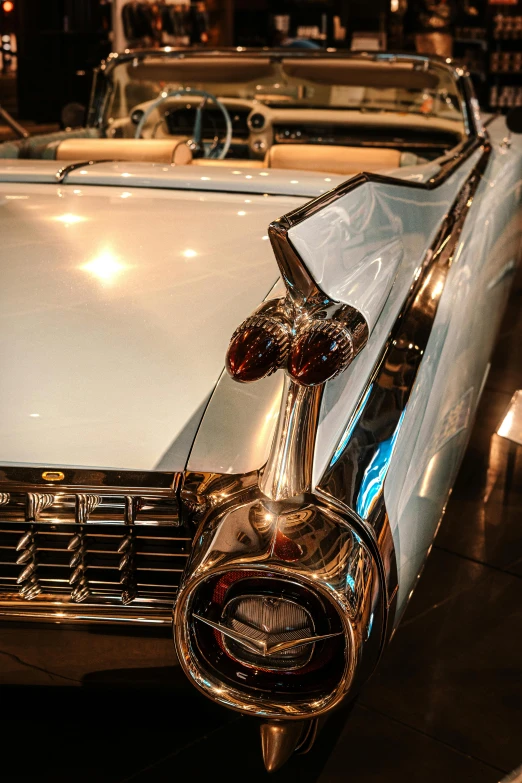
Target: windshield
pixel 350 83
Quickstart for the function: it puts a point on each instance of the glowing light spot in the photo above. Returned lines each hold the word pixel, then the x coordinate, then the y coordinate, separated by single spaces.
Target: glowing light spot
pixel 265 237
pixel 69 219
pixel 105 267
pixel 34 415
pixel 126 194
pixel 294 181
pixel 205 179
pixel 248 176
pixel 189 253
pixel 263 174
pixel 241 213
pixel 127 174
pixel 437 290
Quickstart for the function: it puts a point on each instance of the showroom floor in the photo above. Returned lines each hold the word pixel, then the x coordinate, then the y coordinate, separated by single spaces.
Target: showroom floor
pixel 445 704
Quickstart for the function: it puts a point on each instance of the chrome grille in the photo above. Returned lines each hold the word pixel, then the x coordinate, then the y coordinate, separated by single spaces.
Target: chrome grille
pixel 108 553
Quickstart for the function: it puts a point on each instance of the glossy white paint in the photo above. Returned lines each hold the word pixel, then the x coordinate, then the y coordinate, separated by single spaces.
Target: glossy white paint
pixel 238 427
pixel 237 430
pixel 116 310
pixel 420 213
pixel 353 250
pixel 21 170
pixel 439 416
pixel 228 179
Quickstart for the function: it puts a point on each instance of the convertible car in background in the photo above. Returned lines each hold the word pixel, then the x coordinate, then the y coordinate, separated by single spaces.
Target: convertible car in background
pixel 247 314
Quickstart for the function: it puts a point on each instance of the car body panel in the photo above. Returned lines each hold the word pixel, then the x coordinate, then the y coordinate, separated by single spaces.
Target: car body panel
pixel 420 214
pixel 441 411
pixel 102 316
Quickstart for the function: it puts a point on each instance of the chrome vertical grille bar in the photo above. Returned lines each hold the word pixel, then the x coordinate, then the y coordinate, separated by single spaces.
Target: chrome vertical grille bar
pixel 85 505
pixel 27 546
pixel 127 564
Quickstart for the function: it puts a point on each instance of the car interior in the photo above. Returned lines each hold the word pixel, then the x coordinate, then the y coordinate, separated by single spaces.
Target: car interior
pixel 338 116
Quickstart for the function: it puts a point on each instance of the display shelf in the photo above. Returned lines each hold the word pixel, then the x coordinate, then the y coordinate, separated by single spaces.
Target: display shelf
pixel 504 74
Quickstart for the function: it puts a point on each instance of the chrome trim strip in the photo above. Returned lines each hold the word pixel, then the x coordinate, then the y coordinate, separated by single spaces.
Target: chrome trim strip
pixel 115 482
pixel 62 173
pixel 103 86
pixel 51 609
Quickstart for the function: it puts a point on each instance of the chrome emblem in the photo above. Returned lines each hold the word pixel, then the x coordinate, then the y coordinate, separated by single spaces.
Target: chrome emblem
pixel 262 646
pixel 53 475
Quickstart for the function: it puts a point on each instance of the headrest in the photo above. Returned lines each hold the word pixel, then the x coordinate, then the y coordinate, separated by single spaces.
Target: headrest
pixel 144 150
pixel 330 158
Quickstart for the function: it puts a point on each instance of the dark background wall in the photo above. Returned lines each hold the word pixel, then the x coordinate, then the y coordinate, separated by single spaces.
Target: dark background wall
pixel 59 43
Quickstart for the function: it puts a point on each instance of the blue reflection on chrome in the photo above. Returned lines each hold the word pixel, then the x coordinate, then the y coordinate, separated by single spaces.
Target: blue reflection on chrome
pixel 375 473
pixel 351 426
pixel 370 626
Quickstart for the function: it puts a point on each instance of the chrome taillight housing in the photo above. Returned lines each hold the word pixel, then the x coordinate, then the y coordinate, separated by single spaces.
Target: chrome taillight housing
pixel 280 602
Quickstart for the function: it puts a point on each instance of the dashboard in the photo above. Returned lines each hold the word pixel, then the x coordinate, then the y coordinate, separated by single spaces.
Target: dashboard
pixel 407 139
pixel 257 126
pixel 180 122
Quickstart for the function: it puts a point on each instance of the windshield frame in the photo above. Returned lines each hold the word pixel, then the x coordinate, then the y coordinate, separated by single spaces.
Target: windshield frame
pixel 104 84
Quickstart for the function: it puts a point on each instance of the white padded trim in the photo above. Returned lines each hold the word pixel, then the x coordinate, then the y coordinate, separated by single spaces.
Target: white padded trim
pixel 145 150
pixel 331 159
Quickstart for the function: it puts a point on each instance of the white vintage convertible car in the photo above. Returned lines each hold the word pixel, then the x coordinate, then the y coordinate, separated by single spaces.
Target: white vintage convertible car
pixel 247 314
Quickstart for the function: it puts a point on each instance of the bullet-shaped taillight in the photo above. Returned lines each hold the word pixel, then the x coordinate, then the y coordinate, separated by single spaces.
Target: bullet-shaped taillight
pixel 258 348
pixel 319 352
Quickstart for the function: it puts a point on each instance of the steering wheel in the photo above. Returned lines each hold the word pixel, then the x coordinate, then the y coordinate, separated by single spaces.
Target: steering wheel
pixel 196 143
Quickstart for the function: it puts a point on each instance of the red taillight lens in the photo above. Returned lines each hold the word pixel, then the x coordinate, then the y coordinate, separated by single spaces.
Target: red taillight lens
pixel 258 347
pixel 320 352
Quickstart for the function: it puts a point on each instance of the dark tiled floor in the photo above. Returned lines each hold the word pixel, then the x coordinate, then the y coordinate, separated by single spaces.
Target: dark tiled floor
pixel 445 704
